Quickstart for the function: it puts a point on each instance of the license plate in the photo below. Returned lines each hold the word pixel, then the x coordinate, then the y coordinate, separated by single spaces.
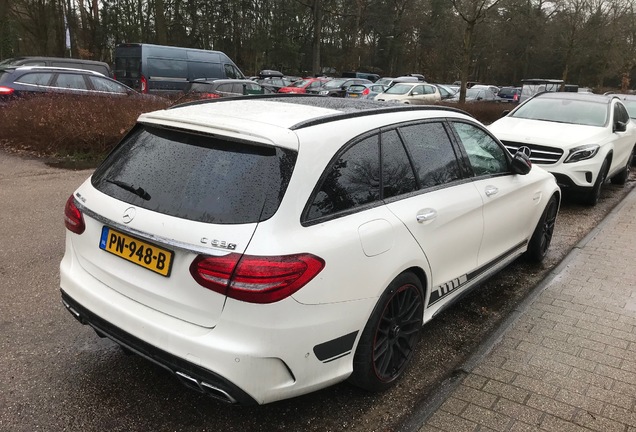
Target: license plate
pixel 140 252
pixel 353 95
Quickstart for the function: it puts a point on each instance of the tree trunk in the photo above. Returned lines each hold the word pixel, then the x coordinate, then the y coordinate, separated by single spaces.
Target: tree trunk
pixel 467 50
pixel 315 46
pixel 160 23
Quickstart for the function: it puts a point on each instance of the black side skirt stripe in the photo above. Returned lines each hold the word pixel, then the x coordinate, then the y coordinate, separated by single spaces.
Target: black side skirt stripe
pixel 444 289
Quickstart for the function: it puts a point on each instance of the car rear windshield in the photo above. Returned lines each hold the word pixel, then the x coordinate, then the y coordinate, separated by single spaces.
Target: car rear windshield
pixel 196 177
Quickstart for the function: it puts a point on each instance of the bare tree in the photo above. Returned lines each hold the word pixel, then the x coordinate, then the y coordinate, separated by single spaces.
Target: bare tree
pixel 472 12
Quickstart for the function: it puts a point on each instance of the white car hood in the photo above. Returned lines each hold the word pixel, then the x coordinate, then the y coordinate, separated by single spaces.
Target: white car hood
pixel 547 133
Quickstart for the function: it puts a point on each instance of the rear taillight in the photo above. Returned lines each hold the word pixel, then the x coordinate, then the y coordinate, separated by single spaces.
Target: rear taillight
pixel 256 279
pixel 365 92
pixel 211 95
pixel 515 98
pixel 73 218
pixel 6 90
pixel 144 84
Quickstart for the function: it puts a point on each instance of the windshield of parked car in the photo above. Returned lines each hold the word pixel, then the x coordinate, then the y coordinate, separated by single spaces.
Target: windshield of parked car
pixel 302 83
pixel 631 107
pixel 583 112
pixel 334 83
pixel 399 89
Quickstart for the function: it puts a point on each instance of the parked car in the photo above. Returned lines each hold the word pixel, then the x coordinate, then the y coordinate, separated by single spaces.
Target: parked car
pixel 29 80
pixel 63 62
pixel 509 94
pixel 337 87
pixel 302 85
pixel 262 249
pixel 364 75
pixel 217 88
pixel 583 139
pixel 275 84
pixel 414 93
pixel 445 91
pixel 364 91
pixel 476 94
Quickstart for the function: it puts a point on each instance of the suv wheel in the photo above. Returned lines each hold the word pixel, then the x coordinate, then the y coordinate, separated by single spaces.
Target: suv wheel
pixel 593 195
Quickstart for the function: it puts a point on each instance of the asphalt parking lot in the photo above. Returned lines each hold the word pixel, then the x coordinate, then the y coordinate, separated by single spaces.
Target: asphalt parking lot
pixel 59 376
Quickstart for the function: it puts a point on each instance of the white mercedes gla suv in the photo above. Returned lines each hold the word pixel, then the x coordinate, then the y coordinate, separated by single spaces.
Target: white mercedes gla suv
pixel 261 248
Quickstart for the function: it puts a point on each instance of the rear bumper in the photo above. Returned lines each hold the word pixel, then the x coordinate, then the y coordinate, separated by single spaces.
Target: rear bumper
pixel 190 374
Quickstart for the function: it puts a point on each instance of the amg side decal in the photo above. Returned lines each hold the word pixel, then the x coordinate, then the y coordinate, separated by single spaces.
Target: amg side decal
pixel 447 288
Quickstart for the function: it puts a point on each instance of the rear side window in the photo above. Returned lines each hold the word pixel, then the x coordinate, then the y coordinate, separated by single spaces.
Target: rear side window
pixel 351 181
pixel 40 79
pixel 71 81
pixel 432 153
pixel 104 85
pixel 196 177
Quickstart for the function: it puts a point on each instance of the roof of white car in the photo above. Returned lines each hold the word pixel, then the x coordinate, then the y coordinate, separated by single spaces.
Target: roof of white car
pixel 269 117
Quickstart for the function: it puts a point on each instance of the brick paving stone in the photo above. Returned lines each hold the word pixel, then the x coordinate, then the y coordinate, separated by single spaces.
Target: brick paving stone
pixel 598 423
pixel 453 405
pixel 474 396
pixel 554 424
pixel 486 417
pixel 507 391
pixel 518 411
pixel 568 364
pixel 620 415
pixel 598 357
pixel 451 423
pixel 581 401
pixel 551 406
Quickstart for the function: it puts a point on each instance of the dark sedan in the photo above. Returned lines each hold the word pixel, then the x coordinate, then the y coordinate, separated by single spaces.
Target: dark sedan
pixel 337 87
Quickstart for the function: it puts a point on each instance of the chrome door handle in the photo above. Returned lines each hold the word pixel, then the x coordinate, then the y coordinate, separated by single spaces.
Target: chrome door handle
pixel 491 190
pixel 426 215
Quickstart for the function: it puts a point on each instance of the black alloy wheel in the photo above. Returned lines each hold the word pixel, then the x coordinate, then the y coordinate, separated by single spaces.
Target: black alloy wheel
pixel 542 236
pixel 389 339
pixel 592 197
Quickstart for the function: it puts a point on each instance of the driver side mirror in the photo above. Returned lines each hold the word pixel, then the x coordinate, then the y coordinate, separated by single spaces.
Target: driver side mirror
pixel 521 163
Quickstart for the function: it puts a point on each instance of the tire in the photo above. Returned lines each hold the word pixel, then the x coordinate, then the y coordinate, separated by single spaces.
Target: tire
pixel 591 197
pixel 389 338
pixel 542 235
pixel 621 178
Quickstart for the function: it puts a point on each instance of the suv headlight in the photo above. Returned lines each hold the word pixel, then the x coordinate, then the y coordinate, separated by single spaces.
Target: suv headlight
pixel 582 153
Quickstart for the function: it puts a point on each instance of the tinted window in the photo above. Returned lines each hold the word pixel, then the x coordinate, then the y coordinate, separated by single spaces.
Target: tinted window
pixel 351 181
pixel 39 78
pixel 196 177
pixel 232 72
pixel 432 154
pixel 71 81
pixel 485 155
pixel 128 67
pixel 204 70
pixel 397 175
pixel 104 85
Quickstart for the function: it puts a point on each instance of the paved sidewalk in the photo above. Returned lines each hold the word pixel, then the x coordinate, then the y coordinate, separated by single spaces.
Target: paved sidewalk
pixel 568 363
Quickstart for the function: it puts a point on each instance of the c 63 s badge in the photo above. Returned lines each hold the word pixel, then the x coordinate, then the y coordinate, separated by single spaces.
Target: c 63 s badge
pixel 218 243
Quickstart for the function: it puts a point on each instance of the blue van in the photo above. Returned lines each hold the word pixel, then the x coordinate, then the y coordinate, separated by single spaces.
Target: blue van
pixel 166 69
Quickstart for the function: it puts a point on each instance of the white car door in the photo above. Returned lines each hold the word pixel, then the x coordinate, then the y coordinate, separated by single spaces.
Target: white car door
pixel 444 213
pixel 623 140
pixel 510 201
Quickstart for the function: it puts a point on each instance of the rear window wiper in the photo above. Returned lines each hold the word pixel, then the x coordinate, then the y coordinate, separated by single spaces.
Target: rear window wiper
pixel 140 192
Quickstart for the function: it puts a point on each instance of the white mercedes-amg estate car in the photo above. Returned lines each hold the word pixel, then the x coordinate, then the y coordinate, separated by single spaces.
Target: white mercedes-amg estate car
pixel 264 247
